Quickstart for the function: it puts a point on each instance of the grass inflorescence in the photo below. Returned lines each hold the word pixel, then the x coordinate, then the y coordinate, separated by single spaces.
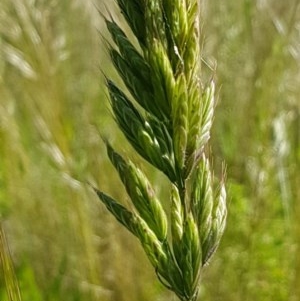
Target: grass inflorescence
pixel 166 115
pixel 65 247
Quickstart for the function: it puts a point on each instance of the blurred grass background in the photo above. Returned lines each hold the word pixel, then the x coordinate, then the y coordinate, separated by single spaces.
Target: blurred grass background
pixel 53 107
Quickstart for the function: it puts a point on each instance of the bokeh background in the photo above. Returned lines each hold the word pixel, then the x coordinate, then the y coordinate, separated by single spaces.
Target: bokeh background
pixel 54 107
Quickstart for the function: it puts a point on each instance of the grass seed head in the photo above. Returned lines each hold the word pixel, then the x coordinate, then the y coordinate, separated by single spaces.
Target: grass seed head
pixel 167 120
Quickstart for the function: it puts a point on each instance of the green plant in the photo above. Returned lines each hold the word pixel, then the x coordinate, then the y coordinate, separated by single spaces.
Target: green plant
pixel 168 124
pixel 8 272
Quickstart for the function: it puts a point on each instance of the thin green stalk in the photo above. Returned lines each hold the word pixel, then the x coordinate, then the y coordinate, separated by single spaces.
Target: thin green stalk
pixel 11 282
pixel 166 115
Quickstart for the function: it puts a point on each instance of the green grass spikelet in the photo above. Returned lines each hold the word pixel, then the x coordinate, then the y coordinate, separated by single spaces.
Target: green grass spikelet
pixel 139 132
pixel 191 257
pixel 141 193
pixel 162 135
pixel 146 202
pixel 127 50
pixel 155 25
pixel 219 214
pixel 139 87
pixel 193 150
pixel 124 216
pixel 180 120
pixel 152 246
pixel 162 78
pixel 202 199
pixel 192 46
pixel 134 13
pixel 207 112
pixel 177 222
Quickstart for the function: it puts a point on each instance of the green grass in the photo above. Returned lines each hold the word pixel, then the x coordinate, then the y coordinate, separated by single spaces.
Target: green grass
pixel 53 105
pixel 8 273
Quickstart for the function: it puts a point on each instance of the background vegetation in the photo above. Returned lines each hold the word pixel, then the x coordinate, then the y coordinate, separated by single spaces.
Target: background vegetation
pixel 53 105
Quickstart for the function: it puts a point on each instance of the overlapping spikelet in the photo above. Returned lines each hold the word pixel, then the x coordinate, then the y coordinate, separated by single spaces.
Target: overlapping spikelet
pixel 167 117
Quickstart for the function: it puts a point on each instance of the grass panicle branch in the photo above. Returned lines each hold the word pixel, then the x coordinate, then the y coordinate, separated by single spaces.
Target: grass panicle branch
pixel 166 117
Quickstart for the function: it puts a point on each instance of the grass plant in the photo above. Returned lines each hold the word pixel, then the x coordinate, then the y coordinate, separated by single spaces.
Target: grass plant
pixel 167 119
pixel 8 270
pixel 65 247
